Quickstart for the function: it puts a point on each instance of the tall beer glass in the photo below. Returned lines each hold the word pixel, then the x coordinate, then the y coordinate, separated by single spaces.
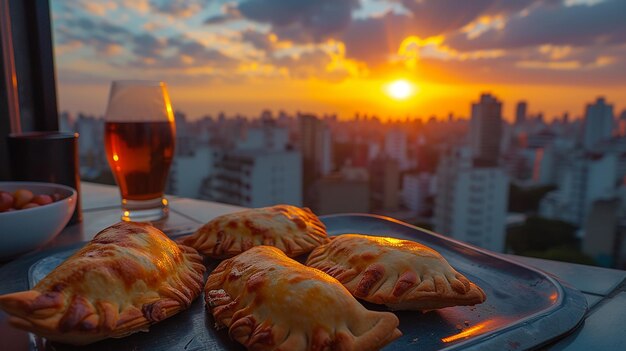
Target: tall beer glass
pixel 139 141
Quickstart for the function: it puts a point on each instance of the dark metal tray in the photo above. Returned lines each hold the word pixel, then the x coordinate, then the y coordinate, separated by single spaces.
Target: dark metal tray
pixel 525 308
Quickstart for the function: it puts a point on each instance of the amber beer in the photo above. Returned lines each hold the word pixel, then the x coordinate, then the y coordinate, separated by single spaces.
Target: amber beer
pixel 139 140
pixel 140 155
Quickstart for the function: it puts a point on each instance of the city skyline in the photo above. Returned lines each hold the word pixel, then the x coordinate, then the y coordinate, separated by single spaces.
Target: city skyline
pixel 338 57
pixel 509 118
pixel 496 185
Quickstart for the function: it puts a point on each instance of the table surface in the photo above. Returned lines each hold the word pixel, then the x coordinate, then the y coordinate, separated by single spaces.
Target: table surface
pixel 605 289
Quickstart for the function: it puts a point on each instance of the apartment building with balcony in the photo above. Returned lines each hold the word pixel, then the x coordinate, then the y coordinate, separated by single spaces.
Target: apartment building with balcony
pixel 255 178
pixel 471 201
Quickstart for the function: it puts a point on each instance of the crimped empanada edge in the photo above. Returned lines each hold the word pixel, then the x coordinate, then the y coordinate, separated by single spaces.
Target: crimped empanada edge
pixel 24 305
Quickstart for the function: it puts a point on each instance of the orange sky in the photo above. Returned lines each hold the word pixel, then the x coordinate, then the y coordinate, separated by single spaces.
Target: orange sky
pixel 335 56
pixel 351 96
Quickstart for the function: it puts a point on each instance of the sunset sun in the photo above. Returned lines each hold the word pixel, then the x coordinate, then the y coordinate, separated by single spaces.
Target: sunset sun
pixel 400 89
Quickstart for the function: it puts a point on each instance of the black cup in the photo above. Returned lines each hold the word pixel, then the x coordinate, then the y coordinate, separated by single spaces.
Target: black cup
pixel 46 157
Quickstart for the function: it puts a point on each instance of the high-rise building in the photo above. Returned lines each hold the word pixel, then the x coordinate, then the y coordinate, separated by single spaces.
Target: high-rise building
pixel 396 148
pixel 600 231
pixel 66 124
pixel 598 123
pixel 91 146
pixel 256 178
pixel 384 184
pixel 343 192
pixel 541 138
pixel 416 189
pixel 545 166
pixel 373 151
pixel 486 129
pixel 359 157
pixel 91 130
pixel 267 136
pixel 316 149
pixel 185 140
pixel 586 178
pixel 471 200
pixel 189 171
pixel 520 112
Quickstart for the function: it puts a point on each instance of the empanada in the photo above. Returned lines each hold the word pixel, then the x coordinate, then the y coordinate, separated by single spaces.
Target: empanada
pixel 401 274
pixel 271 302
pixel 128 277
pixel 293 230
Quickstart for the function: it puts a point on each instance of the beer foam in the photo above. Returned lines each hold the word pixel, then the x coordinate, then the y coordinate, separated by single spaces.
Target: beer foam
pixel 139 101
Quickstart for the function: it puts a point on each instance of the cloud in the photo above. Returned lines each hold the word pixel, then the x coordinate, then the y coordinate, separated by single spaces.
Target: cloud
pixel 102 37
pixel 434 17
pixel 98 9
pixel 140 6
pixel 110 39
pixel 179 8
pixel 91 27
pixel 555 52
pixel 376 39
pixel 553 65
pixel 515 69
pixel 138 50
pixel 229 12
pixel 175 53
pixel 147 45
pixel 153 26
pixel 595 65
pixel 577 65
pixel 301 20
pixel 200 53
pixel 259 40
pixel 219 19
pixel 67 47
pixel 484 41
pixel 576 25
pixel 307 65
pixel 505 35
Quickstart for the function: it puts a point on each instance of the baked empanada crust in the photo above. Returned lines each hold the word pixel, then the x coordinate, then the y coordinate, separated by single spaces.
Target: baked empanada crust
pixel 128 277
pixel 293 230
pixel 271 302
pixel 402 274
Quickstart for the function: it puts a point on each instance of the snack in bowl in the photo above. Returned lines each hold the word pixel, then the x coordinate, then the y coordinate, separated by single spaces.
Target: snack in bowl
pixel 402 274
pixel 293 230
pixel 23 199
pixel 269 301
pixel 128 277
pixel 32 214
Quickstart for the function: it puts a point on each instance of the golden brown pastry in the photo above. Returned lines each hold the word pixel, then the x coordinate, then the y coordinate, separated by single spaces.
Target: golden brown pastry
pixel 128 277
pixel 293 230
pixel 271 302
pixel 401 274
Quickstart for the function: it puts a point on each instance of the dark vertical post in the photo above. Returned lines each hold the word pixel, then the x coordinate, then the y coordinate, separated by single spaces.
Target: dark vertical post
pixel 5 127
pixel 9 104
pixel 31 63
pixel 41 55
pixel 34 64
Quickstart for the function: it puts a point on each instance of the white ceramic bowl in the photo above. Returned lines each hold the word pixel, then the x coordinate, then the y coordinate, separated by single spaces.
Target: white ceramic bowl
pixel 25 230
